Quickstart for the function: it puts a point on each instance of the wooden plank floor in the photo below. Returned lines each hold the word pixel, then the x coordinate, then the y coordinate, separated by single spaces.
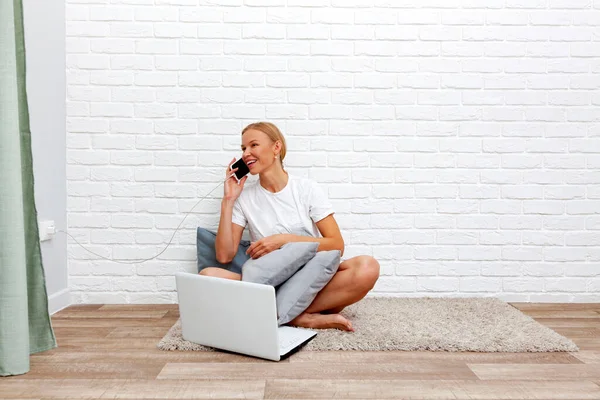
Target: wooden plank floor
pixel 109 352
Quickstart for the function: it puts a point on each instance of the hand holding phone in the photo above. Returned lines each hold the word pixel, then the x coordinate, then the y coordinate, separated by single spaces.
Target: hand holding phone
pixel 242 169
pixel 235 181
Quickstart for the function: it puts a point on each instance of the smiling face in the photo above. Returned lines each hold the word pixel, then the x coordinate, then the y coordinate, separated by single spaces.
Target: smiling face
pixel 258 151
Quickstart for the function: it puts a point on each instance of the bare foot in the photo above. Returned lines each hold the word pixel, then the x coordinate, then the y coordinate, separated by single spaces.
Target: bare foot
pixel 321 321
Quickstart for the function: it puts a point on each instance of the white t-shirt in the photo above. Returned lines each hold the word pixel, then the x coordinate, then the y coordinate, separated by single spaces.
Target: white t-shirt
pixel 293 210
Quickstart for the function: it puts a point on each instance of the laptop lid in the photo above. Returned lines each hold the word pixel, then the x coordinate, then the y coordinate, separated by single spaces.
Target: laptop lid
pixel 230 315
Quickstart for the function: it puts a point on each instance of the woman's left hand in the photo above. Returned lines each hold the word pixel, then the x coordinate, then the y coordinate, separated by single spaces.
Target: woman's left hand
pixel 265 246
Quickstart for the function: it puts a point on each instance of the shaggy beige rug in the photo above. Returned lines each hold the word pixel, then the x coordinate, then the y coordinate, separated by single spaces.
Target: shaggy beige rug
pixel 418 324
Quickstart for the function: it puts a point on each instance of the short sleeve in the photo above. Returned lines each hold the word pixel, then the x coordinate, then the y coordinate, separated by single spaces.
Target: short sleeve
pixel 319 204
pixel 237 216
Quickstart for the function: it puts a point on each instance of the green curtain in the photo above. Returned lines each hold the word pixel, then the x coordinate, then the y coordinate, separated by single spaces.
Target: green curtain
pixel 25 326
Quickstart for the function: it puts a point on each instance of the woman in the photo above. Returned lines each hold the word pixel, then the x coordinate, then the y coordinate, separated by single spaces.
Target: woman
pixel 282 208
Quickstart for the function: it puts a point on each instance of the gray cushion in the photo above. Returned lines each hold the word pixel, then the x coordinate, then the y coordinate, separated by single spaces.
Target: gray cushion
pixel 205 248
pixel 298 292
pixel 276 267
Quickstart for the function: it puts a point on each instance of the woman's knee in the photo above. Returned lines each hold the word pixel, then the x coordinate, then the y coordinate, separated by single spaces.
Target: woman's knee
pixel 219 273
pixel 367 272
pixel 208 271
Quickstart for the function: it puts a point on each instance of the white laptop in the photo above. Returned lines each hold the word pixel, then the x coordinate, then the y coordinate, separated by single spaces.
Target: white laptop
pixel 236 316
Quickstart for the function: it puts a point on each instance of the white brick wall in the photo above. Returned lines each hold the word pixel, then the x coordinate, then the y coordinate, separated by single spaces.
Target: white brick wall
pixel 459 140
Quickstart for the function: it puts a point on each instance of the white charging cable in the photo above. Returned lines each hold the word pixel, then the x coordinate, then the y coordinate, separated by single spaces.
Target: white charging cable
pixel 168 244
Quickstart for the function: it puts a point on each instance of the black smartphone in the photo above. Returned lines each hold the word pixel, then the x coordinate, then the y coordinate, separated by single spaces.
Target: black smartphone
pixel 242 169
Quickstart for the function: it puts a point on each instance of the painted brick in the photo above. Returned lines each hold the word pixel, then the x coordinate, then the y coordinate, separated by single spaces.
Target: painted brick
pixel 456 139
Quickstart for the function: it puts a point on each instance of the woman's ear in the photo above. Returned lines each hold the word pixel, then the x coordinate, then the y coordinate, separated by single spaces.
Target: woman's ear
pixel 277 147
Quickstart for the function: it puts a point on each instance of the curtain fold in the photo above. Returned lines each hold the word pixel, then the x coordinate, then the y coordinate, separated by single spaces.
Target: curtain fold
pixel 25 326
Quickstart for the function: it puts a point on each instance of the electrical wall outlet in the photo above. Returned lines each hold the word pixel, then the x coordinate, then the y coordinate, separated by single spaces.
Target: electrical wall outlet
pixel 47 230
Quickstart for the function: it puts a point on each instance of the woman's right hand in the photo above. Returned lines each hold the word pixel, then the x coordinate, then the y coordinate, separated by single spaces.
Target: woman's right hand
pixel 232 188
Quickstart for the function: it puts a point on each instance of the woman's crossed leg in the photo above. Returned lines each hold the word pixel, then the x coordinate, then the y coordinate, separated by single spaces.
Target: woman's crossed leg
pixel 354 278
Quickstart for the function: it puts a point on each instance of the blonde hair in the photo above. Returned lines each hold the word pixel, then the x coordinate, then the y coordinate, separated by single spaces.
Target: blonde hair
pixel 272 132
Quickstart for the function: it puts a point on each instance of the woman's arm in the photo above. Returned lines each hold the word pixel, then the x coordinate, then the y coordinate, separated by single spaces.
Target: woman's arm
pixel 228 237
pixel 332 237
pixel 331 240
pixel 229 234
